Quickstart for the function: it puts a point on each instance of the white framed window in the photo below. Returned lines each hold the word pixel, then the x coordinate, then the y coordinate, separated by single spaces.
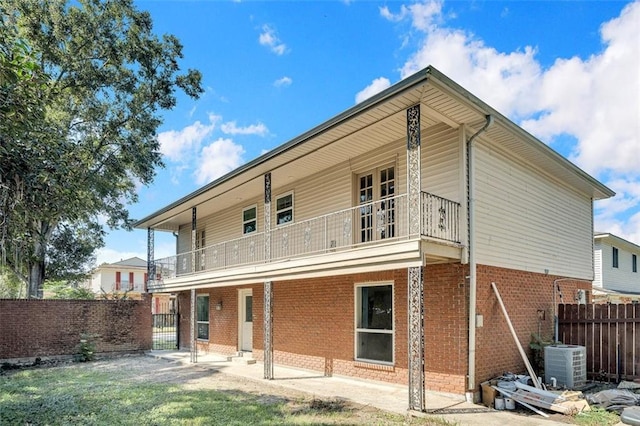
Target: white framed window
pixel 374 337
pixel 249 220
pixel 614 255
pixel 284 209
pixel 202 314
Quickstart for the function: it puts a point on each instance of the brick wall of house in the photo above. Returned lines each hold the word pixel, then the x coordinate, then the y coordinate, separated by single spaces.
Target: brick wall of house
pixel 44 328
pixel 313 323
pixel 223 323
pixel 525 296
pixel 446 326
pixel 314 320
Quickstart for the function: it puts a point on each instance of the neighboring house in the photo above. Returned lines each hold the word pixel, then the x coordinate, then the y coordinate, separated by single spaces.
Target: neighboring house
pixel 367 246
pixel 617 278
pixel 128 275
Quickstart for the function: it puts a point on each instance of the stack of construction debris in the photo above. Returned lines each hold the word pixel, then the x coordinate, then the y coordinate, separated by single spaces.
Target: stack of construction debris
pixel 625 399
pixel 514 387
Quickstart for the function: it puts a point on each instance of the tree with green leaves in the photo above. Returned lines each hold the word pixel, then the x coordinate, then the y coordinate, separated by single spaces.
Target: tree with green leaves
pixel 99 79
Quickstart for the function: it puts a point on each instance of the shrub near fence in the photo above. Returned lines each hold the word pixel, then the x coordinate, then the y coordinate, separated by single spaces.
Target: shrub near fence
pixel 48 328
pixel 611 335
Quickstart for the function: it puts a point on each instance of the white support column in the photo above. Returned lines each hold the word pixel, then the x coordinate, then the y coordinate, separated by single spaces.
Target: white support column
pixel 268 285
pixel 415 278
pixel 151 266
pixel 192 323
pixel 194 237
pixel 267 217
pixel 268 330
pixel 416 340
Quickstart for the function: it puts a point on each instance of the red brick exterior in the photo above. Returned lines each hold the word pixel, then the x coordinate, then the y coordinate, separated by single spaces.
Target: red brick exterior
pixel 45 328
pixel 313 323
pixel 523 294
pixel 446 301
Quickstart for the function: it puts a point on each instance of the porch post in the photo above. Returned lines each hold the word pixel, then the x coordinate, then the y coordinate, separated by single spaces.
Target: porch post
pixel 413 171
pixel 268 285
pixel 192 327
pixel 268 330
pixel 415 279
pixel 194 237
pixel 151 266
pixel 267 217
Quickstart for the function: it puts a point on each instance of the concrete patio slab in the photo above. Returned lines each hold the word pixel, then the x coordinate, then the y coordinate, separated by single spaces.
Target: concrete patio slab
pixel 385 396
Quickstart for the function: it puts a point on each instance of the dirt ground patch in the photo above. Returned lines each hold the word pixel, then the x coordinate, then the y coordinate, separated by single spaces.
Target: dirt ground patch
pixel 155 370
pixel 305 407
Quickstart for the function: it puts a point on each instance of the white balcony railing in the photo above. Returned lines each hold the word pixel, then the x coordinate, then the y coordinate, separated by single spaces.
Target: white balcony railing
pixel 362 225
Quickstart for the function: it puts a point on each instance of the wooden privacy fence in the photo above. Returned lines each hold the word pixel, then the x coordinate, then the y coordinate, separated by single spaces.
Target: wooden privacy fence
pixel 611 335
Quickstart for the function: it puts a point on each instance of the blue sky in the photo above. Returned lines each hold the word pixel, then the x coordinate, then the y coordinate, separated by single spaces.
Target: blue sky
pixel 567 71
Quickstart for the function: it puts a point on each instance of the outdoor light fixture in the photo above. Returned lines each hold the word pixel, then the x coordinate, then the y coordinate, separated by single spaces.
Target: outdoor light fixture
pixel 219 306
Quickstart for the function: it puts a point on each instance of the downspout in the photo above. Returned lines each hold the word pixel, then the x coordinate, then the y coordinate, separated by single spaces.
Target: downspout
pixel 472 251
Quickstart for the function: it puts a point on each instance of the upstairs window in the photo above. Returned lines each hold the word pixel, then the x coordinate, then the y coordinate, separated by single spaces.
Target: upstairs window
pixel 250 220
pixel 614 255
pixel 634 263
pixel 284 209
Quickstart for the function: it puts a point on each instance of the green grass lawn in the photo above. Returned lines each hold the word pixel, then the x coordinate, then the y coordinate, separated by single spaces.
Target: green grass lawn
pixel 76 395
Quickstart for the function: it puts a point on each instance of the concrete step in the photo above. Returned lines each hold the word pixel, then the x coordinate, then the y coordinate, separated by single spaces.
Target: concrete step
pixel 245 358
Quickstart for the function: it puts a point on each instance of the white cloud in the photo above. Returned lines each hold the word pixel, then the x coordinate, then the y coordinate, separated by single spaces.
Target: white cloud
pixel 376 86
pixel 176 145
pixel 598 100
pixel 269 38
pixel 283 82
pixel 217 159
pixel 231 128
pixel 595 101
pixel 506 81
pixel 423 15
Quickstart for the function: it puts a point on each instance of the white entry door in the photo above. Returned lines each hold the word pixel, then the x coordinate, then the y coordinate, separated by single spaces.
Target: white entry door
pixel 246 320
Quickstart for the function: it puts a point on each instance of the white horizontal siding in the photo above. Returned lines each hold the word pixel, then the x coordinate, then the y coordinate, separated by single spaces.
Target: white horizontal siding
pixel 325 192
pixel 184 238
pixel 597 265
pixel 527 221
pixel 319 195
pixel 622 278
pixel 441 160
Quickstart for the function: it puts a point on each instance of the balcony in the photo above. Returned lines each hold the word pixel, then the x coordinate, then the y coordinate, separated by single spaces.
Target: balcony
pixel 367 224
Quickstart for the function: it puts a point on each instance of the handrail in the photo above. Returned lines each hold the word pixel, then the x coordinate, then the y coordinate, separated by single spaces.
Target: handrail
pixel 365 224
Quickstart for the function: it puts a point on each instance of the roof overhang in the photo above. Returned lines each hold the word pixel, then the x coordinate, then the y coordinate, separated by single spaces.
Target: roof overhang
pixel 620 242
pixel 371 123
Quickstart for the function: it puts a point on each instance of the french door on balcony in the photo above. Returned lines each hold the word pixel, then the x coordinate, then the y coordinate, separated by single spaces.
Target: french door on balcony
pixel 376 190
pixel 201 260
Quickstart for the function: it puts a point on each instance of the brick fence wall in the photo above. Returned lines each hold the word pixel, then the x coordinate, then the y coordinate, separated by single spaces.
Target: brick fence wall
pixel 46 328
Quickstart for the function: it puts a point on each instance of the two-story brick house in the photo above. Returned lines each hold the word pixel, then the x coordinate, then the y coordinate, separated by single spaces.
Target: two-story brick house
pixel 367 246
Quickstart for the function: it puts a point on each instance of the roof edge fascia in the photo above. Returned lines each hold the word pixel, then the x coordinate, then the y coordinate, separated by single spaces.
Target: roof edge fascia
pixel 613 237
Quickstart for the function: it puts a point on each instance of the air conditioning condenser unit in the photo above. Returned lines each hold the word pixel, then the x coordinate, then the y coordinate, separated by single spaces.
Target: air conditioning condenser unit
pixel 567 363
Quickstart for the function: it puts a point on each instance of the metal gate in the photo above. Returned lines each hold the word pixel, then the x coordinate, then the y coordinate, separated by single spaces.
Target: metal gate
pixel 166 330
